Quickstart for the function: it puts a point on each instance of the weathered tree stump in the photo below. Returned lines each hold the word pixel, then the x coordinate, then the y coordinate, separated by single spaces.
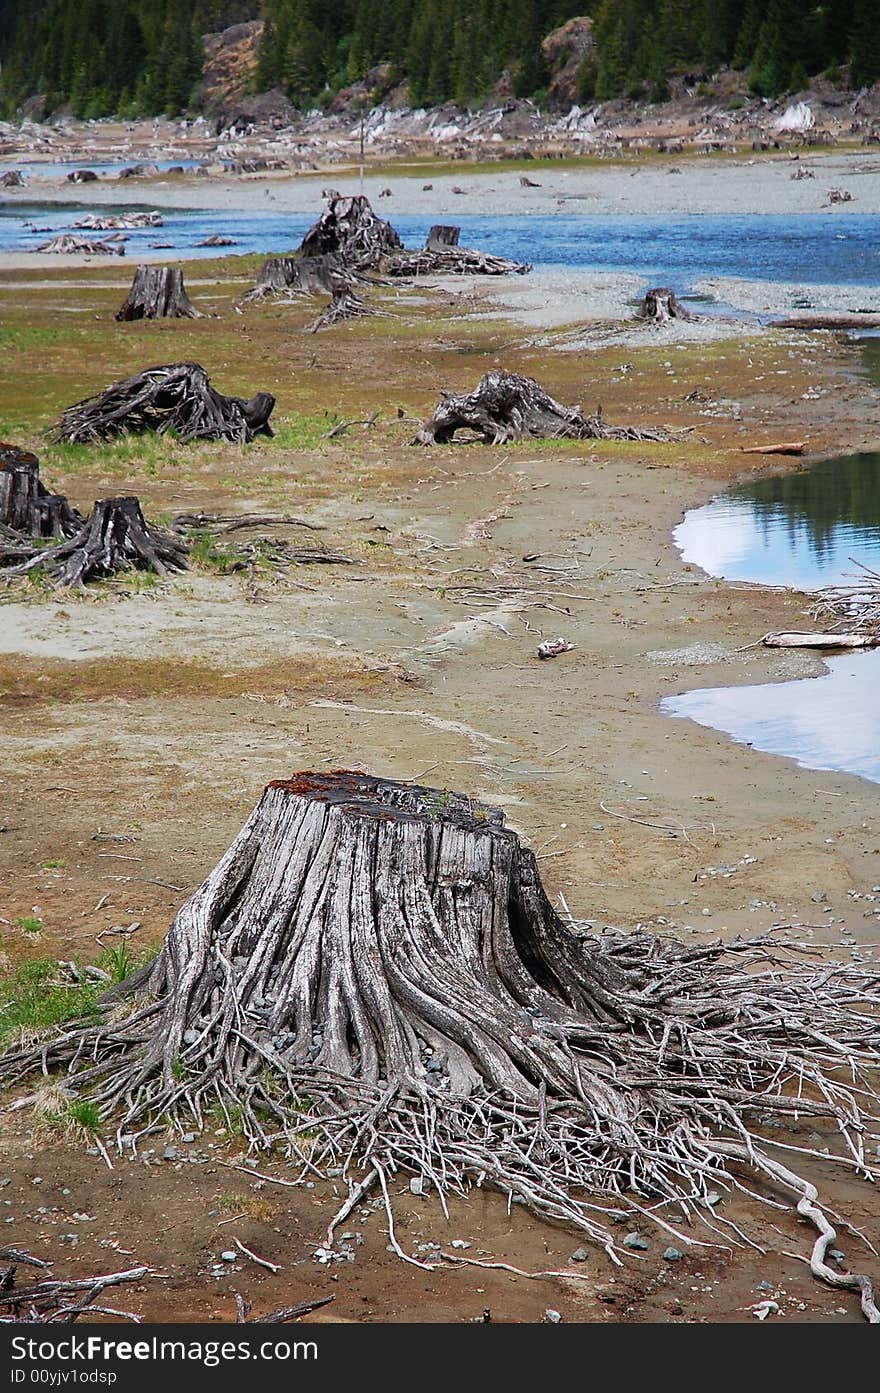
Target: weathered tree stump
pixel 350 230
pixel 660 305
pixel 171 397
pixel 300 275
pixel 116 537
pixel 442 238
pixel 26 505
pixel 373 977
pixel 506 407
pixel 442 255
pixel 157 292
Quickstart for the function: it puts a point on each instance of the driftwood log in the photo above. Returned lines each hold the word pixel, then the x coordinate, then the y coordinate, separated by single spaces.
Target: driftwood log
pixel 26 505
pixel 506 407
pixel 171 397
pixel 157 292
pixel 827 640
pixel 827 321
pixel 373 978
pixel 660 305
pixel 115 537
pixel 66 244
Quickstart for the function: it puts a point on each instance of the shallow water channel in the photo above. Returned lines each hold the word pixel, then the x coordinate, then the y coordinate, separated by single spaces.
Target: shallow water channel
pixel 804 530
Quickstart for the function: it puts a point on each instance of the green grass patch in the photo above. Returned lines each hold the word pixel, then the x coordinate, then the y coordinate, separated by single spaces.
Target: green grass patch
pixel 20 337
pixel 35 999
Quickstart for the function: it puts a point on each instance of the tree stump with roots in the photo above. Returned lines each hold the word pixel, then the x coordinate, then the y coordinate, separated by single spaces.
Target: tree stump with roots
pixel 157 292
pixel 26 505
pixel 506 406
pixel 170 397
pixel 300 275
pixel 116 537
pixel 373 979
pixel 660 305
pixel 349 230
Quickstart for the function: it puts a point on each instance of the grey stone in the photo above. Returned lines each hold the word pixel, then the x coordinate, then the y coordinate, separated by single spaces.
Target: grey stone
pixel 190 1037
pixel 228 1255
pixel 673 1255
pixel 170 1153
pixel 553 1316
pixel 635 1240
pixel 818 897
pixel 416 1185
pixel 579 1255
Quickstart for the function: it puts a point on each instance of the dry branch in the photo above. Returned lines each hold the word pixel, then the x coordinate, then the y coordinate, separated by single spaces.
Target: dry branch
pixel 786 447
pixel 373 977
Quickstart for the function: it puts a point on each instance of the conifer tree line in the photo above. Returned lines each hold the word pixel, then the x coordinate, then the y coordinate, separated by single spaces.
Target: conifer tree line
pixel 142 57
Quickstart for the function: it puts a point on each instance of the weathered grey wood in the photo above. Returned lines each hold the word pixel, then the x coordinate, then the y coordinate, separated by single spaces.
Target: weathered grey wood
pixel 299 275
pixel 442 238
pixel 26 505
pixel 351 231
pixel 157 292
pixel 116 537
pixel 170 397
pixel 506 406
pixel 661 304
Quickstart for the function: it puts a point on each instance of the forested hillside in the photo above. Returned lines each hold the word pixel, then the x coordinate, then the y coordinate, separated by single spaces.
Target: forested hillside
pixel 145 56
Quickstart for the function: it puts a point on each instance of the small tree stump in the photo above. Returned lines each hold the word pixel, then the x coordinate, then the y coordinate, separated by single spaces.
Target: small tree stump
pixel 116 537
pixel 26 505
pixel 506 407
pixel 442 238
pixel 171 397
pixel 660 305
pixel 157 292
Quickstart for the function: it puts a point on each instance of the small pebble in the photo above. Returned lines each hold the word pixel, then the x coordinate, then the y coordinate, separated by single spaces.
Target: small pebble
pixel 553 1316
pixel 579 1255
pixel 673 1255
pixel 459 1243
pixel 416 1185
pixel 170 1153
pixel 228 1256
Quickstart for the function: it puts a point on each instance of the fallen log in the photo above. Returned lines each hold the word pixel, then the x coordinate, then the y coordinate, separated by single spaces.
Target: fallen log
pixel 373 978
pixel 507 407
pixel 868 320
pixel 103 222
pixel 157 292
pixel 803 640
pixel 786 447
pixel 27 508
pixel 115 537
pixel 171 397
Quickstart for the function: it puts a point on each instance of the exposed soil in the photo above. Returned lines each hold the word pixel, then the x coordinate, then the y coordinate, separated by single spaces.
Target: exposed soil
pixel 140 723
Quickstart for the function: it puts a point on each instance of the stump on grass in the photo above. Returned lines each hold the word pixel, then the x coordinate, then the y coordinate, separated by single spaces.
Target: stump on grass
pixel 116 537
pixel 506 406
pixel 373 978
pixel 26 505
pixel 660 305
pixel 171 397
pixel 300 275
pixel 157 292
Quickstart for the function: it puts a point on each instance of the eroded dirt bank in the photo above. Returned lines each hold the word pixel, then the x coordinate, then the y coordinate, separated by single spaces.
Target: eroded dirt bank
pixel 141 722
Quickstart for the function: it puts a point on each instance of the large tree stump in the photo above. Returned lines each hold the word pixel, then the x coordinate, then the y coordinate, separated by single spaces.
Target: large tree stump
pixel 350 230
pixel 506 406
pixel 26 505
pixel 171 397
pixel 373 978
pixel 116 537
pixel 660 305
pixel 300 275
pixel 157 292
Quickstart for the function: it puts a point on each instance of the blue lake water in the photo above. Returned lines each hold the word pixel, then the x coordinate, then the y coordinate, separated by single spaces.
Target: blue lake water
pixel 679 250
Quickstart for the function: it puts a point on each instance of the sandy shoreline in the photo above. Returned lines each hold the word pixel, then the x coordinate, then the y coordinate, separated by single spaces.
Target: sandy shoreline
pixel 687 185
